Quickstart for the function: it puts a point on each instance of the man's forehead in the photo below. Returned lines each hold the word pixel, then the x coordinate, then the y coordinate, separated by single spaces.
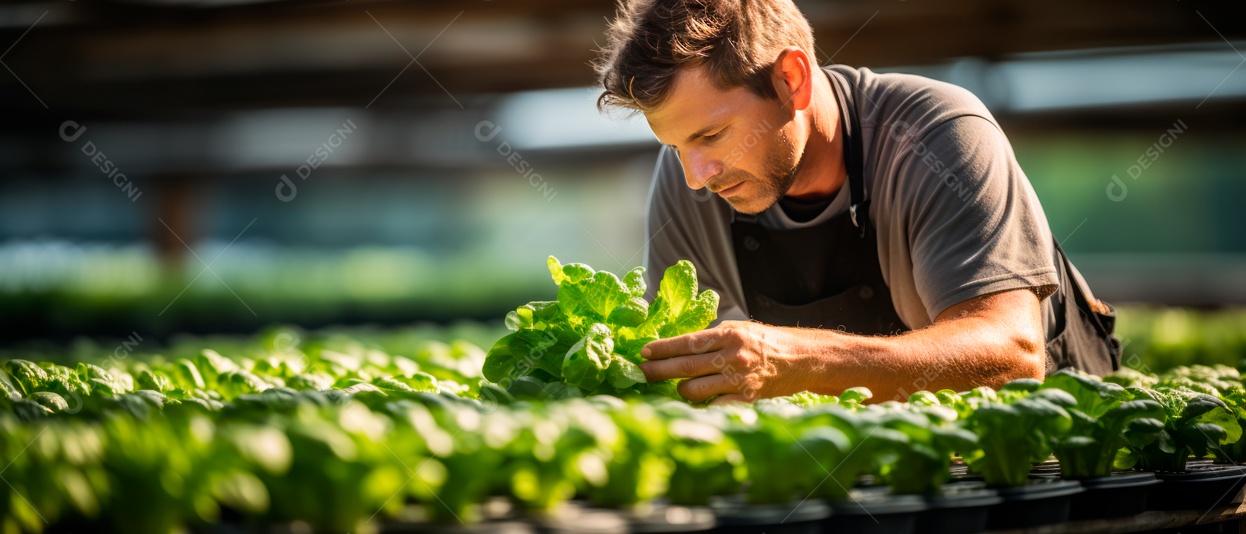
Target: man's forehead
pixel 694 103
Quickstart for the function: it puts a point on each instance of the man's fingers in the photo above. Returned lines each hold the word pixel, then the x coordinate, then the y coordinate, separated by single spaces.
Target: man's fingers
pixel 690 366
pixel 699 389
pixel 694 343
pixel 729 398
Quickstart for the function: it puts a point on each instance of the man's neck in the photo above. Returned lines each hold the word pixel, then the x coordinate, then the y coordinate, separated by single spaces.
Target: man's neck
pixel 822 171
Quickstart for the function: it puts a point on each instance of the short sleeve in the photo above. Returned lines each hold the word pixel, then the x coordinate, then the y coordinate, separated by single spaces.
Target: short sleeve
pixel 973 222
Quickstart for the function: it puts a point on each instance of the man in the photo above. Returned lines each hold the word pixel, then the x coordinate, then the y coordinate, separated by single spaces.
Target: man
pixel 876 228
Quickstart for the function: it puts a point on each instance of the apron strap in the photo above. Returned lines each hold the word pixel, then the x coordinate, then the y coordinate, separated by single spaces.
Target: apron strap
pixel 854 152
pixel 1079 293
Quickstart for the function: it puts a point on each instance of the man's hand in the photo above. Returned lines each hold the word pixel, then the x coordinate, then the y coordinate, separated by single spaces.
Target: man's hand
pixel 739 361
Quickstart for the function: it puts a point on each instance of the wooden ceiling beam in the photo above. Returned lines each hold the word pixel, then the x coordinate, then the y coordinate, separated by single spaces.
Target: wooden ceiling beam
pixel 124 56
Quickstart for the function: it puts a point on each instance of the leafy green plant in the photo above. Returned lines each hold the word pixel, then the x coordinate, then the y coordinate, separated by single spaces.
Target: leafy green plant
pixel 340 456
pixel 1221 378
pixel 766 437
pixel 963 405
pixel 1017 389
pixel 1236 401
pixel 53 473
pixel 270 430
pixel 1196 423
pixel 465 454
pixel 1127 377
pixel 705 463
pixel 1013 435
pixel 557 449
pixel 1106 419
pixel 591 337
pixel 931 439
pixel 836 446
pixel 637 467
pixel 851 398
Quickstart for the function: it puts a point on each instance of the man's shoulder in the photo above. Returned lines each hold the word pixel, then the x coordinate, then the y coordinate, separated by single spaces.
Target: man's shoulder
pixel 884 99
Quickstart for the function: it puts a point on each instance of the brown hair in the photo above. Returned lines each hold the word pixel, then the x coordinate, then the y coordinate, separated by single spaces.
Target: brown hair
pixel 736 40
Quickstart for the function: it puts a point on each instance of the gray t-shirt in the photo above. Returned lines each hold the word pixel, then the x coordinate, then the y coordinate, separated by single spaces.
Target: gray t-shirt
pixel 955 215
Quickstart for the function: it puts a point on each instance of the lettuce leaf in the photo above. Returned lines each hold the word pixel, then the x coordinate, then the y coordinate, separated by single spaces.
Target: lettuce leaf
pixel 591 337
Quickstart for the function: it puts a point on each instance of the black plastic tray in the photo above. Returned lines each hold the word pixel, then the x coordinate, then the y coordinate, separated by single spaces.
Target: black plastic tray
pixel 964 507
pixel 496 515
pixel 874 510
pixel 655 518
pixel 1041 502
pixel 1120 494
pixel 735 516
pixel 483 527
pixel 574 517
pixel 1202 486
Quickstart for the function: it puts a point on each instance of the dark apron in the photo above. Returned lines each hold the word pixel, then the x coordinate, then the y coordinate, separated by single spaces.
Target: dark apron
pixel 828 276
pixel 1082 338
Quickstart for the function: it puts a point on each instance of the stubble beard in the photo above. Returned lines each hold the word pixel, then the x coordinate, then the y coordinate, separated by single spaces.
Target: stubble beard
pixel 777 181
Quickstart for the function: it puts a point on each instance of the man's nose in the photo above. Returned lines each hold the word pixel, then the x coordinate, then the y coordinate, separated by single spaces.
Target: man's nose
pixel 700 169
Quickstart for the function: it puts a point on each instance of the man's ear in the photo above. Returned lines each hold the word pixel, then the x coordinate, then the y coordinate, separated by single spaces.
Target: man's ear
pixel 793 78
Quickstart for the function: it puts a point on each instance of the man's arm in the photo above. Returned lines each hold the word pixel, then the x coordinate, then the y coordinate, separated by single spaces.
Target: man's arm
pixel 984 341
pixel 979 249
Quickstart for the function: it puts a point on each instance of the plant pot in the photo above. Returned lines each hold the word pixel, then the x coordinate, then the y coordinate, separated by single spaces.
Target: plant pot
pixel 654 518
pixel 483 527
pixel 735 516
pixel 498 509
pixel 958 470
pixel 874 509
pixel 963 507
pixel 1047 469
pixel 1202 486
pixel 575 517
pixel 496 515
pixel 1119 494
pixel 1041 502
pixel 867 481
pixel 584 521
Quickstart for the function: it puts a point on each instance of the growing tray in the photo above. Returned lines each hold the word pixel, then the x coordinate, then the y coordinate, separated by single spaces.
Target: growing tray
pixel 735 516
pixel 658 518
pixel 875 510
pixel 1202 486
pixel 1117 495
pixel 963 507
pixel 1041 502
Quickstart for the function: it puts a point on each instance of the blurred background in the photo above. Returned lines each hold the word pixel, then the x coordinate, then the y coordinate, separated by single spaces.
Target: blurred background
pixel 218 166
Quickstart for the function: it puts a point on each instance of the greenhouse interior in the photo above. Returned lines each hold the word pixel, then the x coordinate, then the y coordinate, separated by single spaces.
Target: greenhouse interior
pixel 392 267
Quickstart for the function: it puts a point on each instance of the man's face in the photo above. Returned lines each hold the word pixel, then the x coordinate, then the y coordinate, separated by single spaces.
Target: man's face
pixel 735 143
